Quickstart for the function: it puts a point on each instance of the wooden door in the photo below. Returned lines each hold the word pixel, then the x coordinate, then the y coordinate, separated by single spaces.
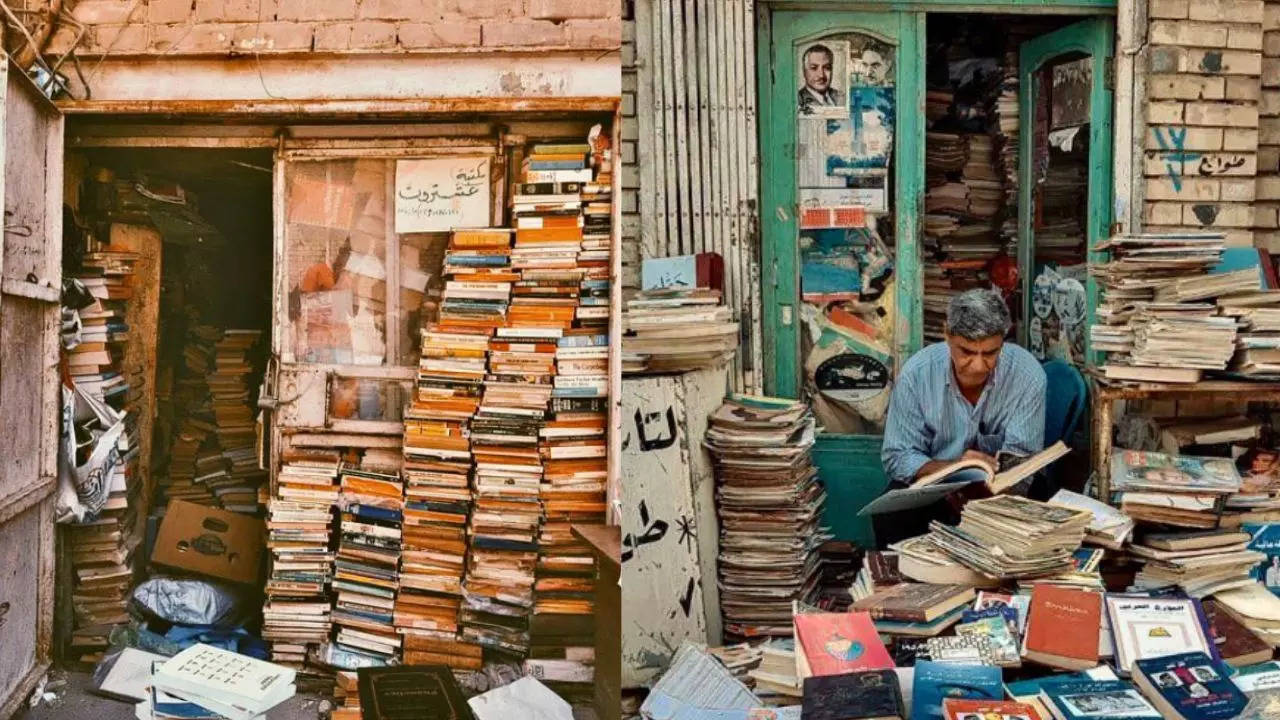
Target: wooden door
pixel 30 288
pixel 1087 46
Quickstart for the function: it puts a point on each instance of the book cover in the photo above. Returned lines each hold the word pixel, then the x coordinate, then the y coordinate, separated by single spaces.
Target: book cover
pixel 954 709
pixel 1265 538
pixel 837 643
pixel 408 692
pixel 870 694
pixel 1096 700
pixel 1237 645
pixel 935 682
pixel 1144 470
pixel 1146 627
pixel 1190 686
pixel 1053 608
pixel 914 602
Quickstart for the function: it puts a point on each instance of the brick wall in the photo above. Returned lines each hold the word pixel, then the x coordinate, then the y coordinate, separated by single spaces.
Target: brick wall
pixel 217 27
pixel 631 251
pixel 1202 113
pixel 1268 187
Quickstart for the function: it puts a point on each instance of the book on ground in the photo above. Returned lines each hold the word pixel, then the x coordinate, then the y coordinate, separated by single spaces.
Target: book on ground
pixel 868 695
pixel 1189 686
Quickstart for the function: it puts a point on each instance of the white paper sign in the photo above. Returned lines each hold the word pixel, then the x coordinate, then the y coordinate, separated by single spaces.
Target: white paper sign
pixel 441 194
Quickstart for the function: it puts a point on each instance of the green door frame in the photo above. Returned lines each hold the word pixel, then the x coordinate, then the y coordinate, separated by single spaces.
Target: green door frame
pixel 782 23
pixel 1093 37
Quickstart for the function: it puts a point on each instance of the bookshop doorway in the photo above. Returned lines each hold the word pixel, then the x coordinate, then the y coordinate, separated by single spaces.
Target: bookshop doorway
pixel 205 221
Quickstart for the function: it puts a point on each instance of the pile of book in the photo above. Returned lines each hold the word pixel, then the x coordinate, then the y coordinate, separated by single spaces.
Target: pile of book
pixel 102 543
pixel 1010 537
pixel 497 592
pixel 437 476
pixel 296 616
pixel 676 330
pixel 1003 115
pixel 1177 490
pixel 367 564
pixel 193 454
pixel 230 388
pixel 1200 563
pixel 1158 320
pixel 769 503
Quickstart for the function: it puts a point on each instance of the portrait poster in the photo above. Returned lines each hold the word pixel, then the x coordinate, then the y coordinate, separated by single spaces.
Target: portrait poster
pixel 442 194
pixel 822 79
pixel 1072 86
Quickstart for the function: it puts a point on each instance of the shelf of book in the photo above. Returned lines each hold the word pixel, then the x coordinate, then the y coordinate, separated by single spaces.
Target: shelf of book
pixel 1103 396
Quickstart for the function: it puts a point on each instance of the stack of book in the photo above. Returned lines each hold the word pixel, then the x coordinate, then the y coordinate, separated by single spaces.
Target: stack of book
pixel 1178 490
pixel 193 453
pixel 231 387
pixel 1003 116
pixel 769 503
pixel 102 544
pixel 1011 537
pixel 1258 332
pixel 1255 607
pixel 597 229
pixel 296 615
pixel 367 565
pixel 1200 563
pixel 677 329
pixel 916 609
pixel 497 592
pixel 437 503
pixel 879 571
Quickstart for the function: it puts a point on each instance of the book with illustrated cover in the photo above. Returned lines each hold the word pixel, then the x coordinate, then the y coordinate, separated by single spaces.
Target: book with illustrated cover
pixel 1144 470
pixel 936 681
pixel 1072 699
pixel 1146 627
pixel 837 643
pixel 954 709
pixel 1189 686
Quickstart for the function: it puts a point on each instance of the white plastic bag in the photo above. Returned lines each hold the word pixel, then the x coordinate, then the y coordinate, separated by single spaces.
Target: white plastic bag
pixel 83 489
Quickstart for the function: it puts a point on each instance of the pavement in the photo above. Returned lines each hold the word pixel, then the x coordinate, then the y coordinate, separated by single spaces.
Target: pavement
pixel 75 701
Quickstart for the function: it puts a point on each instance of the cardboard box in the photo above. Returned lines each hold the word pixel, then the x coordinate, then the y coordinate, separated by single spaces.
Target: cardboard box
pixel 209 541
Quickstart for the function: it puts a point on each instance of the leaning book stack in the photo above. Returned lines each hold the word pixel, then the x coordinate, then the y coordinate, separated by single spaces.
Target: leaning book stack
pixel 769 502
pixel 366 568
pixel 102 543
pixel 297 615
pixel 232 403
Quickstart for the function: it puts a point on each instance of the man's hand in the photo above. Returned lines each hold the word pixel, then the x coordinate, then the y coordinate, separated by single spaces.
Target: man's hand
pixel 986 459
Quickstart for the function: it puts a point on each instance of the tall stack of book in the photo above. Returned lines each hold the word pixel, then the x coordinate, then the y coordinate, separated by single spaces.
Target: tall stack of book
pixel 230 389
pixel 1003 127
pixel 192 456
pixel 102 544
pixel 367 565
pixel 437 466
pixel 769 503
pixel 297 615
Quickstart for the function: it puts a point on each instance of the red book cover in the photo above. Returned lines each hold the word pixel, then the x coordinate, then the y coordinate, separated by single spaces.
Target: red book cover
pixel 1054 608
pixel 838 643
pixel 961 709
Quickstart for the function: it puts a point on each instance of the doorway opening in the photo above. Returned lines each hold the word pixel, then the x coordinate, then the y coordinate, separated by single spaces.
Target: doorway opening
pixel 975 144
pixel 185 325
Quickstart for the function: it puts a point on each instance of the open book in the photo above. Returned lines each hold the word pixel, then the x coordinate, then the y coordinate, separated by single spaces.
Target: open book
pixel 962 473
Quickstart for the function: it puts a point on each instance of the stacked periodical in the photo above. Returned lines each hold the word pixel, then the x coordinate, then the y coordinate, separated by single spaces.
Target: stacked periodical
pixel 769 503
pixel 1011 537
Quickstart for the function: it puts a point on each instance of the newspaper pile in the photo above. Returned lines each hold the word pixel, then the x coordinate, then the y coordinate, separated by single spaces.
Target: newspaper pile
pixel 1010 537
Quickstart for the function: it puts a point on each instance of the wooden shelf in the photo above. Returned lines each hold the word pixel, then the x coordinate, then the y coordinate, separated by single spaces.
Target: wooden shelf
pixel 1103 395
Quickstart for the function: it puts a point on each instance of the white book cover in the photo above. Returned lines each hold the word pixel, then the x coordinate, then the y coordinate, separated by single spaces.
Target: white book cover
pixel 1145 627
pixel 207 671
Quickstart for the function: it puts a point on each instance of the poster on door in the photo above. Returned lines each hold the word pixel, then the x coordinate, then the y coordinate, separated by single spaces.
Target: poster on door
pixel 844 125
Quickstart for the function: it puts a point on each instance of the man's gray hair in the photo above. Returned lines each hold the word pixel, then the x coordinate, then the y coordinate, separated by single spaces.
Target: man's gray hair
pixel 978 314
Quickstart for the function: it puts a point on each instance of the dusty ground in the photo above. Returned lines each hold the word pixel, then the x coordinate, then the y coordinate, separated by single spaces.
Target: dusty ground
pixel 75 702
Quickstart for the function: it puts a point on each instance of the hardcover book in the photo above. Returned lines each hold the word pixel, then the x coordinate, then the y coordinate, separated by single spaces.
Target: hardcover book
pixel 914 602
pixel 871 695
pixel 1237 644
pixel 407 692
pixel 1053 608
pixel 936 681
pixel 838 643
pixel 1189 686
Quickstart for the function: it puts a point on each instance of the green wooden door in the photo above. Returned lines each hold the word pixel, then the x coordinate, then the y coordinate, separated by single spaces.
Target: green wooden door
pixel 849 464
pixel 1090 42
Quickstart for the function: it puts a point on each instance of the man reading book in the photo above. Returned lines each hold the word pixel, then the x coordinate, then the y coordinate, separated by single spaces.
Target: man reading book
pixel 973 396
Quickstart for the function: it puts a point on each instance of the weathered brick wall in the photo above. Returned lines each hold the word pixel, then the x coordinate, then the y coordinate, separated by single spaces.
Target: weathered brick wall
pixel 1202 113
pixel 218 27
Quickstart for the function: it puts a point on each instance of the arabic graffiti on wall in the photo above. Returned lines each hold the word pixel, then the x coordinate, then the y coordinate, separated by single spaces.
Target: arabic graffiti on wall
pixel 441 194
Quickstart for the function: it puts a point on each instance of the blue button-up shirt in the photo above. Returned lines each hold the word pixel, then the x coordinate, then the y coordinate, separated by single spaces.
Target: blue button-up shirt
pixel 929 418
